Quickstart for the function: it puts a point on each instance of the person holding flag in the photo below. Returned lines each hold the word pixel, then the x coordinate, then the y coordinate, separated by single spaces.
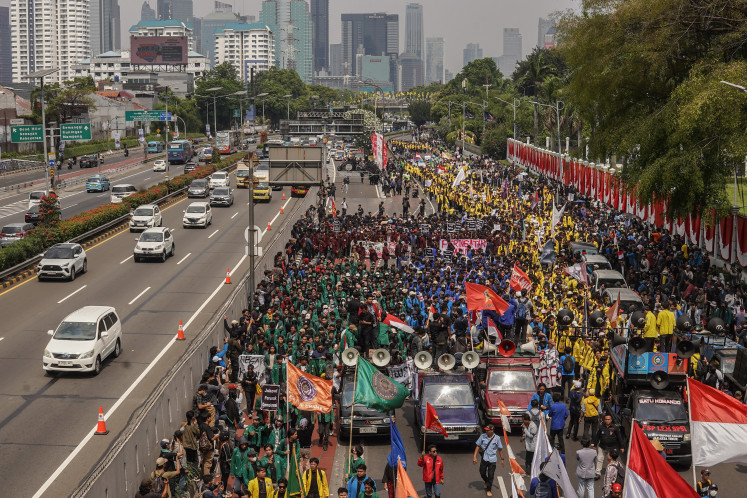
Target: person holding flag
pixel 396 456
pixel 433 471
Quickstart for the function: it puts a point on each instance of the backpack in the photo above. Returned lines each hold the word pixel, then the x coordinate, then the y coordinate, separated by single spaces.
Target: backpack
pixel 521 311
pixel 204 444
pixel 157 484
pixel 543 489
pixel 567 364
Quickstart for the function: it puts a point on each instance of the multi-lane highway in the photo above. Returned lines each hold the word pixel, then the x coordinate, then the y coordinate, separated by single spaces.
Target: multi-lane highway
pixel 41 418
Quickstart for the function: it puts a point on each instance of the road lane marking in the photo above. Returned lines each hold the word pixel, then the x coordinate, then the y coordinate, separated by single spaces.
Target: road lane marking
pixel 210 236
pixel 127 259
pixel 71 295
pixel 185 257
pixel 1 338
pixel 71 205
pixel 276 216
pixel 136 297
pixel 235 215
pixel 109 413
pixel 502 485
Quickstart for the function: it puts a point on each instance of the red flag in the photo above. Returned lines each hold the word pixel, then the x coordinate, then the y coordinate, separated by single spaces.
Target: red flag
pixel 520 280
pixel 480 297
pixel 614 312
pixel 334 208
pixel 649 475
pixel 719 426
pixel 395 322
pixel 432 422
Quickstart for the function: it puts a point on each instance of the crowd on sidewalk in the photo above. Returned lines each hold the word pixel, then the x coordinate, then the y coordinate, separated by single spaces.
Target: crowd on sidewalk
pixel 343 273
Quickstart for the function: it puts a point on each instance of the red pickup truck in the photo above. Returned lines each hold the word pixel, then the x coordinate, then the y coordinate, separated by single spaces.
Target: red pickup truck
pixel 511 380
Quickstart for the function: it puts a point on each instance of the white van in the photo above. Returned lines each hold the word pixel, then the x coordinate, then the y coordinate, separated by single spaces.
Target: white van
pixel 35 197
pixel 119 192
pixel 83 340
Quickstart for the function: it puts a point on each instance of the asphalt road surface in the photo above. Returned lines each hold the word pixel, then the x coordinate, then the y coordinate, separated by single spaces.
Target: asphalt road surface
pixel 43 419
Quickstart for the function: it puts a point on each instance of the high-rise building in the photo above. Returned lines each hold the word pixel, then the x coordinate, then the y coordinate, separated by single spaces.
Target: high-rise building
pixel 163 9
pixel 6 54
pixel 290 21
pixel 320 34
pixel 48 34
pixel 368 34
pixel 335 59
pixel 511 51
pixel 182 10
pixel 246 47
pixel 434 60
pixel 146 12
pixel 414 30
pixel 165 27
pixel 217 19
pixel 105 26
pixel 471 52
pixel 543 26
pixel 448 76
pixel 410 72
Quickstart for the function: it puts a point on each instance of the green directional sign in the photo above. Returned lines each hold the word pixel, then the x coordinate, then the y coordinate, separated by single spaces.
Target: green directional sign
pixel 236 113
pixel 27 133
pixel 147 116
pixel 75 131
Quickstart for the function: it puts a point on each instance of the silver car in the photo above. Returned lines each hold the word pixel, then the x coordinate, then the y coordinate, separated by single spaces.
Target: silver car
pixel 62 261
pixel 221 196
pixel 198 188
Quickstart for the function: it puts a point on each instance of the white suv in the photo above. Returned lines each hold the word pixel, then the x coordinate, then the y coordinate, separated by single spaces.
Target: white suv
pixel 83 341
pixel 146 216
pixel 197 214
pixel 154 243
pixel 159 165
pixel 219 179
pixel 63 261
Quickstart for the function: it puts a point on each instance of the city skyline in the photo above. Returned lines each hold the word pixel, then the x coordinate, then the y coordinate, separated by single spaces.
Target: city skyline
pixel 439 21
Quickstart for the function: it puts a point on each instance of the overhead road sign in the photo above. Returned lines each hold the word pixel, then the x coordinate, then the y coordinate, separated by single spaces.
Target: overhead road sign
pixel 75 131
pixel 26 133
pixel 147 116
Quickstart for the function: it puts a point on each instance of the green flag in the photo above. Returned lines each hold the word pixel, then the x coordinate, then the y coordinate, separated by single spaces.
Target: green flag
pixel 295 486
pixel 375 390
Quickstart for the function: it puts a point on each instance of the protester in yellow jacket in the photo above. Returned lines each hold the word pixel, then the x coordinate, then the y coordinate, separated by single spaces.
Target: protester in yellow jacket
pixel 315 481
pixel 254 484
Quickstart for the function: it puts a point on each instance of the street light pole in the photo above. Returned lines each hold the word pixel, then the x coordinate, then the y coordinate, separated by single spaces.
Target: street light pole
pixel 513 105
pixel 41 74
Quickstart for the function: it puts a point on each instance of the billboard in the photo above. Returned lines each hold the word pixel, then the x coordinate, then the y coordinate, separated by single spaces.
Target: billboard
pixel 159 50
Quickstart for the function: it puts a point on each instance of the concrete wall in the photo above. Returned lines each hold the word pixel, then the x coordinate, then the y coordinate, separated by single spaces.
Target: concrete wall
pixel 133 455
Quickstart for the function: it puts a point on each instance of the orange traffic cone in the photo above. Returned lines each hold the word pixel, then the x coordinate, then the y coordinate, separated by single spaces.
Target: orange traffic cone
pixel 268 224
pixel 180 333
pixel 101 427
pixel 283 195
pixel 281 209
pixel 228 275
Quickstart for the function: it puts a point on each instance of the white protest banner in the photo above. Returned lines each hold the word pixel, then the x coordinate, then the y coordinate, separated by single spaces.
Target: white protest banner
pixel 255 360
pixel 402 374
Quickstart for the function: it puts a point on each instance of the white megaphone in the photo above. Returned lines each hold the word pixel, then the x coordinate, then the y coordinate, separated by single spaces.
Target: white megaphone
pixel 446 362
pixel 528 348
pixel 470 360
pixel 381 358
pixel 423 360
pixel 350 357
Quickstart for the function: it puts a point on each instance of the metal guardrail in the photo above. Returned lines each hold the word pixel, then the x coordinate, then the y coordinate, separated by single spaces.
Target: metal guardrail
pixel 31 262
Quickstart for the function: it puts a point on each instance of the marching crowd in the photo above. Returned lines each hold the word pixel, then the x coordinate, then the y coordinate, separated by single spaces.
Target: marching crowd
pixel 342 274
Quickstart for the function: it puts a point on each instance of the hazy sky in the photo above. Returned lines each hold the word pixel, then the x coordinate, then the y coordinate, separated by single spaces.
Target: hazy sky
pixel 458 22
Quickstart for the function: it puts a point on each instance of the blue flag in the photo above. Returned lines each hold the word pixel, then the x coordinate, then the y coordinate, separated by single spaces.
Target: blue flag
pixel 398 447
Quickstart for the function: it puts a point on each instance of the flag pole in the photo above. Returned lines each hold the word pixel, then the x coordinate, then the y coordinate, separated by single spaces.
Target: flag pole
pixel 352 408
pixel 287 418
pixel 690 419
pixel 627 460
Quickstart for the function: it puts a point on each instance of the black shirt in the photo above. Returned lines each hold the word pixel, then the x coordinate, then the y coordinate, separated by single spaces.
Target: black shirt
pixel 313 487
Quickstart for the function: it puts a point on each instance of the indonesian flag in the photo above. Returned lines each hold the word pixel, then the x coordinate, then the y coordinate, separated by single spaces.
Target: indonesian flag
pixel 432 422
pixel 480 297
pixel 395 322
pixel 432 311
pixel 719 426
pixel 649 475
pixel 493 331
pixel 614 311
pixel 520 280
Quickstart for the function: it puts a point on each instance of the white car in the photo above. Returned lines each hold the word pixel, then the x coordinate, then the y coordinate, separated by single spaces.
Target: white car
pixel 146 216
pixel 219 179
pixel 197 214
pixel 155 243
pixel 62 261
pixel 159 165
pixel 83 340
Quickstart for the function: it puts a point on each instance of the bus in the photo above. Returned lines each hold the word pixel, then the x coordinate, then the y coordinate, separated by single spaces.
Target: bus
pixel 227 141
pixel 180 151
pixel 155 146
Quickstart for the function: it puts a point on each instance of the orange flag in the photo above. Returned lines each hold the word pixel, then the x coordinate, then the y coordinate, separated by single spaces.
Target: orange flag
pixel 405 489
pixel 308 392
pixel 480 297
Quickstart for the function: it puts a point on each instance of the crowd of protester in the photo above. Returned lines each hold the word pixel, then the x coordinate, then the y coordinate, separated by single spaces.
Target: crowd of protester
pixel 343 271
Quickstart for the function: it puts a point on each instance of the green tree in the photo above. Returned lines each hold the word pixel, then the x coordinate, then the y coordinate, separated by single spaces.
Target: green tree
pixel 226 78
pixel 478 73
pixel 49 209
pixel 277 83
pixel 646 74
pixel 420 112
pixel 494 141
pixel 529 76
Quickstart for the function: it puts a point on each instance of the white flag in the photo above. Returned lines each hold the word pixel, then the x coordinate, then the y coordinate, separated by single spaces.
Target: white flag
pixel 459 178
pixel 541 450
pixel 555 469
pixel 556 216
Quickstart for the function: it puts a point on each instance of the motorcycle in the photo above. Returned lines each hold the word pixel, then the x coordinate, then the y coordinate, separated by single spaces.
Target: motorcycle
pixel 126 153
pixel 69 165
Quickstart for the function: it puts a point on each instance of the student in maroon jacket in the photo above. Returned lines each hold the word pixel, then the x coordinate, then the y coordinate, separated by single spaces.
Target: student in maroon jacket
pixel 433 471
